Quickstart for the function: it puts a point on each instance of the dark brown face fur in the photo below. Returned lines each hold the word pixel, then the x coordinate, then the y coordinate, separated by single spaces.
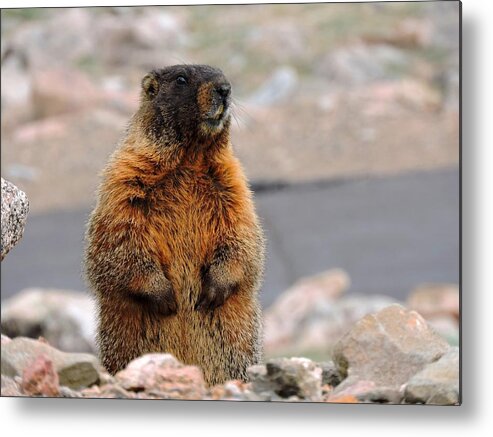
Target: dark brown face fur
pixel 185 105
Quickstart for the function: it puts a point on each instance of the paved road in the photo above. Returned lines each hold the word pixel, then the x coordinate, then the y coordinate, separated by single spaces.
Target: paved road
pixel 389 234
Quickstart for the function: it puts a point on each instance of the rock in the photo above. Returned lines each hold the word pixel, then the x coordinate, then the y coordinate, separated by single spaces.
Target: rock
pixel 367 391
pixel 15 207
pixel 280 41
pixel 435 300
pixel 387 348
pixel 343 399
pixel 330 374
pixel 40 379
pixel 5 339
pixel 22 172
pixel 143 37
pixel 410 33
pixel 295 306
pixel 437 383
pixel 110 391
pixel 49 129
pixel 40 41
pixel 309 318
pixel 385 98
pixel 10 387
pixel 278 87
pixel 447 327
pixel 163 376
pixel 150 30
pixel 359 64
pixel 413 33
pixel 66 392
pixel 61 90
pixel 74 370
pixel 14 71
pixel 287 378
pixel 231 391
pixel 64 318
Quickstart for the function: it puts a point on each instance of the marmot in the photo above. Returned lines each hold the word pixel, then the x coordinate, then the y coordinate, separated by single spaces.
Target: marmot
pixel 174 249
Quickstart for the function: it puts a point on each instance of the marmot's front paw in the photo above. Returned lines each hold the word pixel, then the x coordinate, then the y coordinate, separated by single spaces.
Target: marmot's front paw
pixel 165 302
pixel 158 295
pixel 213 294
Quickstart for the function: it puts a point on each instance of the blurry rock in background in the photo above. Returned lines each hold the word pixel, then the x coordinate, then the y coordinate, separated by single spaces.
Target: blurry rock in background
pixel 321 91
pixel 307 320
pixel 64 318
pixel 310 317
pixel 440 305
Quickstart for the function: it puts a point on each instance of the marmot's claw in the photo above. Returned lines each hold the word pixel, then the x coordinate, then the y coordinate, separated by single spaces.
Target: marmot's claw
pixel 211 298
pixel 165 304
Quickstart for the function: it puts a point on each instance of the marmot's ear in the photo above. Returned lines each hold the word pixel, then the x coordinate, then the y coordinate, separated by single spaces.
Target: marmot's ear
pixel 150 85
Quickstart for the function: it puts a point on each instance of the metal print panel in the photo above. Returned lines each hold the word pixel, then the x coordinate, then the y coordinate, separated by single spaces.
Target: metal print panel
pixel 232 202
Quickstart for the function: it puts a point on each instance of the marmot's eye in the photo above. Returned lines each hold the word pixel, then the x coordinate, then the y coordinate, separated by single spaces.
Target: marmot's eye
pixel 181 80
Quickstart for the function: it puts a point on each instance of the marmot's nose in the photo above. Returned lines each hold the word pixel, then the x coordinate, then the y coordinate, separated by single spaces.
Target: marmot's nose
pixel 224 90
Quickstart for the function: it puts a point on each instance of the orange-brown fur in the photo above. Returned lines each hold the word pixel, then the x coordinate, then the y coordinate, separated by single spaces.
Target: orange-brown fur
pixel 175 226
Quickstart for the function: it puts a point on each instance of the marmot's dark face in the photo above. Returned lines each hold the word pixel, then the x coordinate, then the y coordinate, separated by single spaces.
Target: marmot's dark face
pixel 186 102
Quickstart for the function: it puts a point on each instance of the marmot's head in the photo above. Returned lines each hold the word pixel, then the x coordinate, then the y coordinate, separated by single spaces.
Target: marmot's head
pixel 186 103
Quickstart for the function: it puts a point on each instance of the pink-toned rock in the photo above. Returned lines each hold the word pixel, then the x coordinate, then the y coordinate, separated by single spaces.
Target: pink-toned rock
pixel 284 317
pixel 40 378
pixel 5 339
pixel 435 300
pixel 61 90
pixel 48 128
pixel 162 375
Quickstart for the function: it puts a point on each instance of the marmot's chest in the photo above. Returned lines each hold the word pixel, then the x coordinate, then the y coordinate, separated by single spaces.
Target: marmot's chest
pixel 198 197
pixel 192 212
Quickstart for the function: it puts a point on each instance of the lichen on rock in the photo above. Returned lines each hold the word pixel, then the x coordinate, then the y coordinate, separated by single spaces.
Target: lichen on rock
pixel 15 207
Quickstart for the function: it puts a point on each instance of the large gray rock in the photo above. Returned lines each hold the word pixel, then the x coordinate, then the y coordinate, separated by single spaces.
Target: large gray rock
pixel 387 348
pixel 64 318
pixel 287 378
pixel 74 370
pixel 15 208
pixel 437 383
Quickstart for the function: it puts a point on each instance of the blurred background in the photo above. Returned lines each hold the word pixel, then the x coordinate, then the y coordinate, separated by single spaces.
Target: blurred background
pixel 346 122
